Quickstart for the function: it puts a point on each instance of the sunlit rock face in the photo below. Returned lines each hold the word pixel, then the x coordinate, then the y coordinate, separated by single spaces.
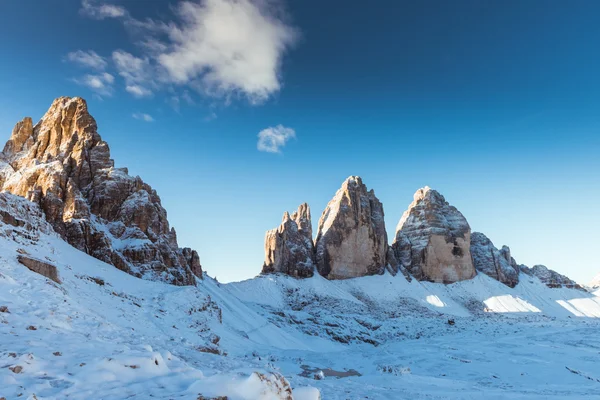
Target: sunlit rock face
pixel 433 240
pixel 351 239
pixel 63 164
pixel 495 263
pixel 289 248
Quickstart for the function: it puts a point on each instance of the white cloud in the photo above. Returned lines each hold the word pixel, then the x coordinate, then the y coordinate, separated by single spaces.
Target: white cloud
pixel 228 46
pixel 88 59
pixel 143 117
pixel 219 48
pixel 273 139
pixel 137 72
pixel 95 10
pixel 138 91
pixel 101 83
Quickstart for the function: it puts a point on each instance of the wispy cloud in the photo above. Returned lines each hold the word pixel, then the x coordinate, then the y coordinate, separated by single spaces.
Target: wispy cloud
pixel 101 83
pixel 87 59
pixel 219 48
pixel 143 117
pixel 273 139
pixel 136 72
pixel 98 10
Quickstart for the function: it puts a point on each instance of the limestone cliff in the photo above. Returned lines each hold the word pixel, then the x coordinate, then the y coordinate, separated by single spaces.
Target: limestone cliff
pixel 351 239
pixel 289 248
pixel 63 164
pixel 433 240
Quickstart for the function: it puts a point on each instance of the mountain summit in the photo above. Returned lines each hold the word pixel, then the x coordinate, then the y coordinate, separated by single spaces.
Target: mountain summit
pixel 63 164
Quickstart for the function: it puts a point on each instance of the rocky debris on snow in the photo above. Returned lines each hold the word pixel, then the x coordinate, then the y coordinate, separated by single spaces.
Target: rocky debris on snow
pixel 63 165
pixel 17 369
pixel 495 263
pixel 289 248
pixel 397 370
pixel 4 309
pixel 351 239
pixel 276 383
pixel 550 278
pixel 41 267
pixel 433 240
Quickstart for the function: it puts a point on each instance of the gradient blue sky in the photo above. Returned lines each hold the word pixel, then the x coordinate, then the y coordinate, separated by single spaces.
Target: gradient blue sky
pixel 496 104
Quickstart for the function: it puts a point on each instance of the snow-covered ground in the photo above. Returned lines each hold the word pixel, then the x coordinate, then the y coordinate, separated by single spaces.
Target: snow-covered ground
pixel 104 334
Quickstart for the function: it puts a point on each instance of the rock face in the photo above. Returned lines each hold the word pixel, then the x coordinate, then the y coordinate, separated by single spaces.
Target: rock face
pixel 433 240
pixel 289 248
pixel 22 220
pixel 41 267
pixel 550 278
pixel 495 263
pixel 62 164
pixel 351 239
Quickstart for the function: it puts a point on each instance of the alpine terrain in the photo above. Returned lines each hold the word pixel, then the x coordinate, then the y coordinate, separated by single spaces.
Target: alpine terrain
pixel 97 299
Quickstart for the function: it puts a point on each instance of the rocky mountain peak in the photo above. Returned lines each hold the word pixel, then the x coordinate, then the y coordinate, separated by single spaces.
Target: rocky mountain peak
pixel 351 239
pixel 289 248
pixel 303 219
pixel 63 164
pixel 433 239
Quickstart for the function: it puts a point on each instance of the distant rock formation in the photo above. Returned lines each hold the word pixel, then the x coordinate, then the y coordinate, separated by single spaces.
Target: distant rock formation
pixel 495 263
pixel 289 249
pixel 62 164
pixel 550 278
pixel 351 239
pixel 433 240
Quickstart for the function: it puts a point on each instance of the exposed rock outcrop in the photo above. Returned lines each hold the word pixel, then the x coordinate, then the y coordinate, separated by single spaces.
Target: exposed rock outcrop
pixel 495 263
pixel 351 239
pixel 289 248
pixel 433 240
pixel 62 164
pixel 21 220
pixel 43 268
pixel 550 278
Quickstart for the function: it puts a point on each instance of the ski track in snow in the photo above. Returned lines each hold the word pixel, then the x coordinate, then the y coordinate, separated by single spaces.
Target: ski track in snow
pixel 137 339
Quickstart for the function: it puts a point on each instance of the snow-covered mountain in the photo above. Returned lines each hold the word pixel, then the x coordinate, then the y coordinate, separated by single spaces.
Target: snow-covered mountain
pixel 76 327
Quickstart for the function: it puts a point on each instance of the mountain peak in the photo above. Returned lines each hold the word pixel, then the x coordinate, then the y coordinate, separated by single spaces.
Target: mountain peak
pixel 63 164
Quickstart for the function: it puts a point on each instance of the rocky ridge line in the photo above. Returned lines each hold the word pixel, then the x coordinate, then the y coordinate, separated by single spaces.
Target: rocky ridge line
pixel 62 164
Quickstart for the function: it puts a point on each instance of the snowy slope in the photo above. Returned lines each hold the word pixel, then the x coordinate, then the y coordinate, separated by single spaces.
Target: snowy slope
pixel 104 334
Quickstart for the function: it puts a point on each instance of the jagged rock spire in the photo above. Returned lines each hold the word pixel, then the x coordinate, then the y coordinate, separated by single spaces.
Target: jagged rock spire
pixel 495 263
pixel 63 164
pixel 351 239
pixel 289 248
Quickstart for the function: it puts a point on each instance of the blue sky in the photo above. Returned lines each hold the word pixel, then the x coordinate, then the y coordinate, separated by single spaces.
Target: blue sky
pixel 493 103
